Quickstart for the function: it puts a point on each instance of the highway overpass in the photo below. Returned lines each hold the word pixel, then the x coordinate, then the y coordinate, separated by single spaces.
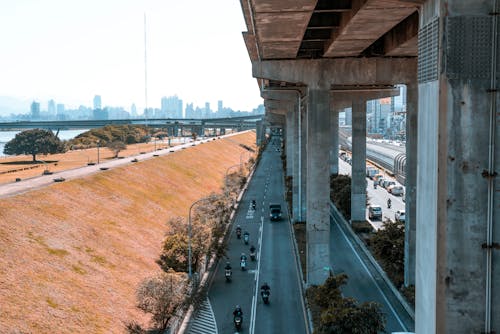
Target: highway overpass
pixel 312 58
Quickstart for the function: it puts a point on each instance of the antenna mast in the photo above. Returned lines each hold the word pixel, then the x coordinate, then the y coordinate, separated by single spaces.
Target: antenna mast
pixel 145 72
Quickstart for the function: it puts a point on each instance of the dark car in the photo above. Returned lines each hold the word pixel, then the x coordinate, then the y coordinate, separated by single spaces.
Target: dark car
pixel 275 211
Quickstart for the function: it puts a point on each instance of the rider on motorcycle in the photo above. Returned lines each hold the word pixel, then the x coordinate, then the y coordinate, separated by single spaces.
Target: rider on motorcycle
pixel 252 252
pixel 389 202
pixel 243 257
pixel 238 312
pixel 228 266
pixel 254 204
pixel 265 287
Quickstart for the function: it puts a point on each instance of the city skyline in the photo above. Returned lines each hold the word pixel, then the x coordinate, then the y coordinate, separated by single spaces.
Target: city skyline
pixel 70 52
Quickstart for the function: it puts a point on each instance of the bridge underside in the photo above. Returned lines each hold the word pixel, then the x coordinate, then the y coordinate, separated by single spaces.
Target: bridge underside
pixel 312 58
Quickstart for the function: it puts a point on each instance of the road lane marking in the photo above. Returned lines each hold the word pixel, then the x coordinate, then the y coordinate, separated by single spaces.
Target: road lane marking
pixel 255 297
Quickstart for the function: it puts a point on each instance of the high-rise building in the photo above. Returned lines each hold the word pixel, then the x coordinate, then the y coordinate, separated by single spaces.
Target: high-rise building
pixel 219 106
pixel 51 108
pixel 208 112
pixel 171 107
pixel 97 102
pixel 35 110
pixel 133 110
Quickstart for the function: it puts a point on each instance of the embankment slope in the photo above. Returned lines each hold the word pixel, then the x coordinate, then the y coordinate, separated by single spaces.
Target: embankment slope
pixel 72 254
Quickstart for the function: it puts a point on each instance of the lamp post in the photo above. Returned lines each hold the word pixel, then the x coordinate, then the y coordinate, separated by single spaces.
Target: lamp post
pixel 98 144
pixel 190 234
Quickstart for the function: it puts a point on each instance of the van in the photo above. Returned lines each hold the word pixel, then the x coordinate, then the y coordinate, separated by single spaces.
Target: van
pixel 374 212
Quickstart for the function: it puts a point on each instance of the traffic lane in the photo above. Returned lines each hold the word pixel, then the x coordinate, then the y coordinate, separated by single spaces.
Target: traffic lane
pixel 380 196
pixel 360 284
pixel 284 313
pixel 224 296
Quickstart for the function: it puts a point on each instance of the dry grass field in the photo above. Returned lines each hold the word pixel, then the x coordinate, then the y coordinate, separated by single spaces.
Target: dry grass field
pixel 72 254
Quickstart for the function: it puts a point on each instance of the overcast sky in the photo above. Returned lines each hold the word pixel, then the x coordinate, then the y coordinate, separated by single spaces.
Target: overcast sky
pixel 71 50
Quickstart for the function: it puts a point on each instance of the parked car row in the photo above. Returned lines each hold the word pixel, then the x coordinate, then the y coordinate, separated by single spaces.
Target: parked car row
pixel 388 185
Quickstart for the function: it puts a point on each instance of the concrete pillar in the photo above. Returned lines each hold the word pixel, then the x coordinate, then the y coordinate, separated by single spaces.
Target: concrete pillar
pixel 458 182
pixel 318 185
pixel 302 160
pixel 334 148
pixel 358 181
pixel 411 181
pixel 258 132
pixel 295 164
pixel 290 140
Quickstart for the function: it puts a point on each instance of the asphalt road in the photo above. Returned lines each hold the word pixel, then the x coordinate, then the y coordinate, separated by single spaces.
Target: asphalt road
pixel 276 263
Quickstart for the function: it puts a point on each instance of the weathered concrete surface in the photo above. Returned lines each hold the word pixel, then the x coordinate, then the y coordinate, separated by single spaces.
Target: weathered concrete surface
pixel 290 141
pixel 358 181
pixel 458 205
pixel 318 186
pixel 334 148
pixel 411 181
pixel 342 71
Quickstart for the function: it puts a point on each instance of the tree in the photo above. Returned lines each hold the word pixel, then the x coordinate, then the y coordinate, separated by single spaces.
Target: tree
pixel 33 142
pixel 388 246
pixel 340 315
pixel 161 296
pixel 340 193
pixel 116 146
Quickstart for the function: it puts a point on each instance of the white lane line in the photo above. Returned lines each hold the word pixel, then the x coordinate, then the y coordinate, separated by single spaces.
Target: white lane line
pixel 255 297
pixel 374 281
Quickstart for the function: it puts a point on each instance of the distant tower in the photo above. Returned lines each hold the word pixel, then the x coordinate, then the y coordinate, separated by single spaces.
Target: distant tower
pixel 97 102
pixel 35 110
pixel 51 108
pixel 133 110
pixel 219 106
pixel 207 110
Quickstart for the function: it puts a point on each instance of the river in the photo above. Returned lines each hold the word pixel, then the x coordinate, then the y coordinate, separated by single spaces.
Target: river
pixel 6 136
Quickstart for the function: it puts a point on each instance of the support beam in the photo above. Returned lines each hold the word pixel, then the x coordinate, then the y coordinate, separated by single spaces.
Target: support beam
pixel 342 71
pixel 334 147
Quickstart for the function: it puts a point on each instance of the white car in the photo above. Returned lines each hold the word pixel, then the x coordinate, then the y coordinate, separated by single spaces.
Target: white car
pixel 400 216
pixel 396 190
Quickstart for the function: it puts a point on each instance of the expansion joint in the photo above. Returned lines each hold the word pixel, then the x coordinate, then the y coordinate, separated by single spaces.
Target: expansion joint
pixel 494 245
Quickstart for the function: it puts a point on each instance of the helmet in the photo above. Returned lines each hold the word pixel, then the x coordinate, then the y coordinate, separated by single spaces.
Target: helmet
pixel 227 263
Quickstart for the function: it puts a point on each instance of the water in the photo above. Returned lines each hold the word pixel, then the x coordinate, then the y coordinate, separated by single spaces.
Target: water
pixel 6 136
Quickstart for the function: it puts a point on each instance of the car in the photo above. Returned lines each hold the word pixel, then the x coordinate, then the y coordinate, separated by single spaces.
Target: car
pixel 396 190
pixel 388 183
pixel 374 212
pixel 400 216
pixel 275 211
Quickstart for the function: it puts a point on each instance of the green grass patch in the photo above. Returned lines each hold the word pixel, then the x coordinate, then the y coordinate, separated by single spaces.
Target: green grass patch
pixel 362 227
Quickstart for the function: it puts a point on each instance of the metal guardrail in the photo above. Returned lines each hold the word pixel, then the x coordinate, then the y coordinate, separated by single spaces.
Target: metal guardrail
pixel 337 216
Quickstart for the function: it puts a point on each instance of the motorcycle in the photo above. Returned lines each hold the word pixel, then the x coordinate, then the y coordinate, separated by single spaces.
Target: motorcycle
pixel 252 255
pixel 254 205
pixel 228 274
pixel 238 233
pixel 237 322
pixel 243 264
pixel 389 204
pixel 265 296
pixel 246 237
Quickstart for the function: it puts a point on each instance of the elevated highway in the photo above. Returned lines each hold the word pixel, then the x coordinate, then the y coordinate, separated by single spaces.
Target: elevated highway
pixel 311 58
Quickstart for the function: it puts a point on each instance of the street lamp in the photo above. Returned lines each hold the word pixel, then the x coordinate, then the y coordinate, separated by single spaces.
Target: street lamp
pixel 190 233
pixel 98 144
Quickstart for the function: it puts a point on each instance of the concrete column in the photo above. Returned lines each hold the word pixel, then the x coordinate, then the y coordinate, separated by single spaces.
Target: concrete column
pixel 302 160
pixel 258 132
pixel 290 139
pixel 358 181
pixel 334 149
pixel 458 182
pixel 318 185
pixel 411 181
pixel 295 164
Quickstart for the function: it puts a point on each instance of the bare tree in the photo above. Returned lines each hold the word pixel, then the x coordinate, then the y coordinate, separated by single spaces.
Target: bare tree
pixel 161 296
